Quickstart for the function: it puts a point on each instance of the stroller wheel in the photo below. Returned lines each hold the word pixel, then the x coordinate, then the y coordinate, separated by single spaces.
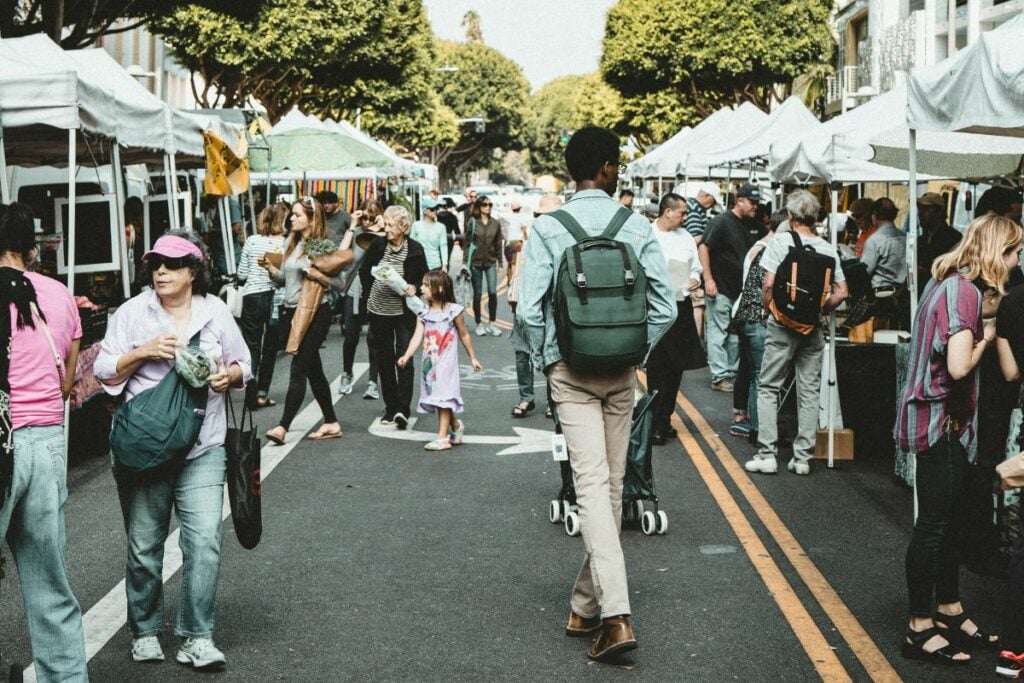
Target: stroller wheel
pixel 648 523
pixel 572 524
pixel 662 523
pixel 566 508
pixel 638 510
pixel 555 511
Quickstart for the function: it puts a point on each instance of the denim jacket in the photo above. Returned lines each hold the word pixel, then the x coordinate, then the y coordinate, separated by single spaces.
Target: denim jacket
pixel 593 209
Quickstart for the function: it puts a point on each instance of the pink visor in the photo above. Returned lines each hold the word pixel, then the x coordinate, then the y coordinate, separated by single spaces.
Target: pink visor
pixel 172 246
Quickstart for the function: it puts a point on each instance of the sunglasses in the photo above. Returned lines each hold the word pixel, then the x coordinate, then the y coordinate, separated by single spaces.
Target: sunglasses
pixel 308 201
pixel 170 262
pixel 486 204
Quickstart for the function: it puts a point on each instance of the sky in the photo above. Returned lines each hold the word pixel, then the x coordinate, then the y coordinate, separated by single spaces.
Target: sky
pixel 547 38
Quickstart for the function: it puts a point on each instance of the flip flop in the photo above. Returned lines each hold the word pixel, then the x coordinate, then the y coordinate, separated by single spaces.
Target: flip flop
pixel 323 437
pixel 272 436
pixel 264 402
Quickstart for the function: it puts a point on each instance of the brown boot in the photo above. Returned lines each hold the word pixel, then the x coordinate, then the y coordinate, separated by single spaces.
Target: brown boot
pixel 581 626
pixel 616 637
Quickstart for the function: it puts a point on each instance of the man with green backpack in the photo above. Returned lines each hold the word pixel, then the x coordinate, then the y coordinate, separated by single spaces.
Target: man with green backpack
pixel 595 298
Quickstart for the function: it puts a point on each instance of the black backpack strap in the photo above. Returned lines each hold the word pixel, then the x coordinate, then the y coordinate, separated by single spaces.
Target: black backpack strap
pixel 570 224
pixel 796 239
pixel 618 220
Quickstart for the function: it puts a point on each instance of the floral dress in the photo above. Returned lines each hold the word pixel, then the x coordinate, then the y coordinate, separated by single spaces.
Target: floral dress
pixel 439 386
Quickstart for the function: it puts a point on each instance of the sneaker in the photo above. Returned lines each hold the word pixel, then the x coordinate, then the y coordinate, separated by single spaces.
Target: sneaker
pixel 481 329
pixel 346 384
pixel 147 649
pixel 1010 665
pixel 438 445
pixel 387 421
pixel 798 466
pixel 495 330
pixel 201 653
pixel 762 465
pixel 401 421
pixel 740 428
pixel 372 392
pixel 725 385
pixel 455 435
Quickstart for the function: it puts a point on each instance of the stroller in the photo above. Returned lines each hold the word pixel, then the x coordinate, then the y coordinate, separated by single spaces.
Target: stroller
pixel 639 501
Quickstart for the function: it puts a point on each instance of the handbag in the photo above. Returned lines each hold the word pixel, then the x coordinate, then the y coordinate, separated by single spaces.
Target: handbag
pixel 231 293
pixel 159 425
pixel 1011 472
pixel 243 477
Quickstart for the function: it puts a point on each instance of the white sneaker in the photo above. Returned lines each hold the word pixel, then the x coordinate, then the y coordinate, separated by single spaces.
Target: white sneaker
pixel 372 392
pixel 201 653
pixel 401 421
pixel 762 465
pixel 147 649
pixel 346 384
pixel 481 329
pixel 799 467
pixel 495 330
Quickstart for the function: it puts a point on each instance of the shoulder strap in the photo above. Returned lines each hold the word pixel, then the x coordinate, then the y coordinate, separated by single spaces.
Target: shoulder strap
pixel 49 340
pixel 796 239
pixel 194 341
pixel 618 220
pixel 570 224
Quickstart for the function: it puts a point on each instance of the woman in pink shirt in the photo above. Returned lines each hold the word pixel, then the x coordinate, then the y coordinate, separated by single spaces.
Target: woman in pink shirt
pixel 39 323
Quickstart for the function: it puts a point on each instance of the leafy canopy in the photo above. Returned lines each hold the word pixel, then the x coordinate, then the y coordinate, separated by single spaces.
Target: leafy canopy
pixel 677 61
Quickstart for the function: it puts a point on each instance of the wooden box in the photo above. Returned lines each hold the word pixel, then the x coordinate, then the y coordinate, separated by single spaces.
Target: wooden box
pixel 842 448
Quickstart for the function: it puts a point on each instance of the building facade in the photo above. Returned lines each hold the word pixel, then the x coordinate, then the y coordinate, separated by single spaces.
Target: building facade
pixel 148 59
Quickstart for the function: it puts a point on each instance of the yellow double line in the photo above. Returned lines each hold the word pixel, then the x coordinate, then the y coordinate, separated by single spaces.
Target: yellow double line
pixel 823 657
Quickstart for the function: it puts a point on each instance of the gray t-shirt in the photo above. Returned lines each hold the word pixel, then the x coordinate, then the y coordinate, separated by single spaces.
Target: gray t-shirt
pixel 780 243
pixel 885 255
pixel 337 225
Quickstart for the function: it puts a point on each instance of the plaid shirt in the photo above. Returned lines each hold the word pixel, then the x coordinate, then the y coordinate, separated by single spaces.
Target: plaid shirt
pixel 932 402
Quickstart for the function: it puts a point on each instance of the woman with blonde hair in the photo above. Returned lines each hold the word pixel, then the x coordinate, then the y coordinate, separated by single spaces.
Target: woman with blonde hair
pixel 296 268
pixel 937 421
pixel 258 297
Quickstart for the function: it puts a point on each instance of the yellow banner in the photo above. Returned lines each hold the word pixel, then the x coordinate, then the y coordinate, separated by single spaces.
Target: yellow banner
pixel 227 170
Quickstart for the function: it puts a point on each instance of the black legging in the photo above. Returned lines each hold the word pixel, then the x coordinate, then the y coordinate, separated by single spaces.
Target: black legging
pixel 306 365
pixel 259 337
pixel 391 335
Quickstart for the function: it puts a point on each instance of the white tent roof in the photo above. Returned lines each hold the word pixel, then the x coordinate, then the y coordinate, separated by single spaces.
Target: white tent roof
pixel 788 120
pixel 951 155
pixel 649 161
pixel 32 93
pixel 978 90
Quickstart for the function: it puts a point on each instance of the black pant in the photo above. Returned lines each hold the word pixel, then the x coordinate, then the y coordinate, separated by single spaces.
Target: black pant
pixel 391 336
pixel 664 373
pixel 933 557
pixel 1013 606
pixel 351 329
pixel 259 337
pixel 306 365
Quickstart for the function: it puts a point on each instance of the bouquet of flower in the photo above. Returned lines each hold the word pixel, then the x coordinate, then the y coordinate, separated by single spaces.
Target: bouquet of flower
pixel 311 295
pixel 398 285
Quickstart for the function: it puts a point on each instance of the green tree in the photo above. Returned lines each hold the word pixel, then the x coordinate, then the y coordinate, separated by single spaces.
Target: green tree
pixel 677 61
pixel 332 58
pixel 487 85
pixel 78 23
pixel 560 107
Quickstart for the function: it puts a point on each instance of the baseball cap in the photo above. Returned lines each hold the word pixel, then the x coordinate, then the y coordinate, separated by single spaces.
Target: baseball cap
pixel 711 189
pixel 750 191
pixel 932 199
pixel 429 204
pixel 515 205
pixel 173 246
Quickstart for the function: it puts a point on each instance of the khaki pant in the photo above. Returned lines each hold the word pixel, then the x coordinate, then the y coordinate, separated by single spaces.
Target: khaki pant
pixel 596 413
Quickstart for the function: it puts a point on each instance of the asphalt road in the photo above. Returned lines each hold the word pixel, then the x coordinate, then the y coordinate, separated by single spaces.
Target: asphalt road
pixel 382 561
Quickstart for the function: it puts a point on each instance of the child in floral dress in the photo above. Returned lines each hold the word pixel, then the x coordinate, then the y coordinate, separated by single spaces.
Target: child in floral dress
pixel 436 330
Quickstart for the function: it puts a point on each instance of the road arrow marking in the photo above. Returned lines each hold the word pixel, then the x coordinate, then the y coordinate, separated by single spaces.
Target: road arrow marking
pixel 528 440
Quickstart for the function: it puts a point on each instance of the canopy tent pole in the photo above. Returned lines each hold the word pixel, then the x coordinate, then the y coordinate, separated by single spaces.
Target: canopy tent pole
pixel 179 220
pixel 686 173
pixel 122 242
pixel 912 228
pixel 832 336
pixel 171 203
pixel 5 186
pixel 225 229
pixel 252 212
pixel 70 235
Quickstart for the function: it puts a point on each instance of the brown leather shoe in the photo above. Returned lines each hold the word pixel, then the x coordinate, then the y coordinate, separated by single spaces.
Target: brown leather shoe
pixel 581 626
pixel 616 638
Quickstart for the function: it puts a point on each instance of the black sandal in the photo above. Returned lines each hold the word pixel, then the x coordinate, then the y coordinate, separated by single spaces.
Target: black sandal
pixel 952 629
pixel 523 409
pixel 548 414
pixel 913 648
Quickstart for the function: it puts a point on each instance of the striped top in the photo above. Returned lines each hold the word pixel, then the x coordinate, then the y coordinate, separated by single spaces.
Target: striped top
pixel 383 300
pixel 696 221
pixel 254 276
pixel 930 396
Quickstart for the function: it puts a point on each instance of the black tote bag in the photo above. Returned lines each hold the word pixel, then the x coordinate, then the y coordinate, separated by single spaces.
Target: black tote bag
pixel 243 477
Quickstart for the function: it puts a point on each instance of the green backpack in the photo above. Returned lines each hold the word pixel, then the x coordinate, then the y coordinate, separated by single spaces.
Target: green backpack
pixel 600 300
pixel 159 425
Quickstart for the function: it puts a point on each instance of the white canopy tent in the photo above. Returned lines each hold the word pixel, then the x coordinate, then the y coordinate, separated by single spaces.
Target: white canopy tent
pixel 791 119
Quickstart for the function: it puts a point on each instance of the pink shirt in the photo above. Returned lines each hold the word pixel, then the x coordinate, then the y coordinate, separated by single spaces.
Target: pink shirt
pixel 36 399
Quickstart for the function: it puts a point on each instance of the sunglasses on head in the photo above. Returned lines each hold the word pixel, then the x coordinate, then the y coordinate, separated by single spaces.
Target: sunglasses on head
pixel 308 201
pixel 171 262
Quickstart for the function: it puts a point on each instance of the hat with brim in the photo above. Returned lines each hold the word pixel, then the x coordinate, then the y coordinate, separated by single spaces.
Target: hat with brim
pixel 429 204
pixel 932 199
pixel 172 246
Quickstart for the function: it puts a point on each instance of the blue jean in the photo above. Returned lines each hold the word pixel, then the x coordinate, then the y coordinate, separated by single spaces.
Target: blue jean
pixel 751 346
pixel 524 376
pixel 196 491
pixel 491 273
pixel 32 519
pixel 723 347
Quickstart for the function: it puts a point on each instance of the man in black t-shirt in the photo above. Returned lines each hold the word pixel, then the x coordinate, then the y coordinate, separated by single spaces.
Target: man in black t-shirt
pixel 726 242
